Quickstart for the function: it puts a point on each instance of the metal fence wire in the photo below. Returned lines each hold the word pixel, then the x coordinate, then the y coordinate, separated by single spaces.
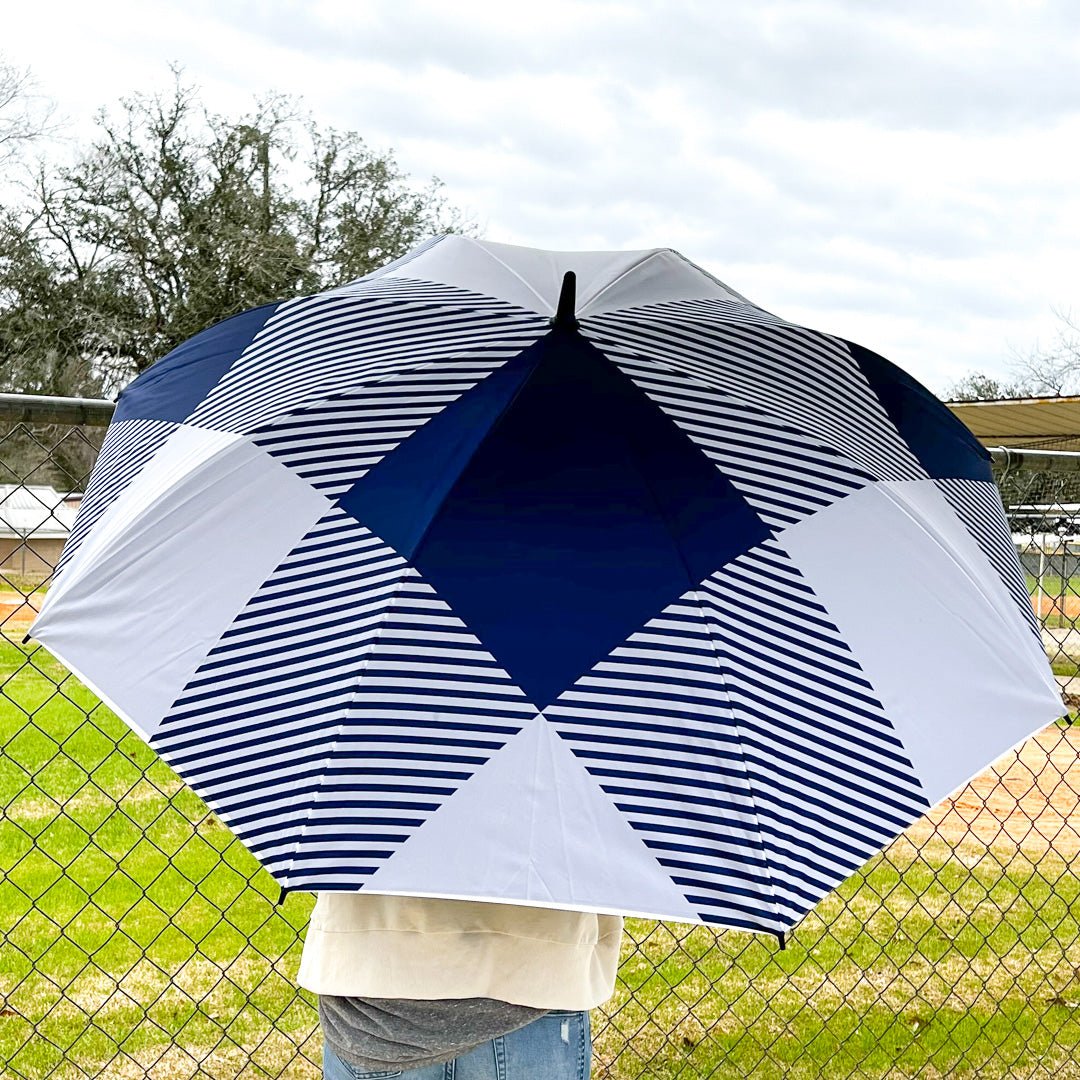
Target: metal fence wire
pixel 141 940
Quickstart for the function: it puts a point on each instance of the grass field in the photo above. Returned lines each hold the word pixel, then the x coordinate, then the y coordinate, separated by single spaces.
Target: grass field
pixel 1054 585
pixel 139 937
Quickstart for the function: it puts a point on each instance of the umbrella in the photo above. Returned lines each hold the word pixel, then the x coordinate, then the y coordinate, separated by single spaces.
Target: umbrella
pixel 560 578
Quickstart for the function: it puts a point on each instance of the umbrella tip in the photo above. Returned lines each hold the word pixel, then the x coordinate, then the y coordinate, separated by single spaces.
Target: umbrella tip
pixel 564 312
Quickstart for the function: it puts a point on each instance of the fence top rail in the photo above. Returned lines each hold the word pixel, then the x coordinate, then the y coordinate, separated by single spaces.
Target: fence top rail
pixel 42 409
pixel 1036 460
pixel 38 409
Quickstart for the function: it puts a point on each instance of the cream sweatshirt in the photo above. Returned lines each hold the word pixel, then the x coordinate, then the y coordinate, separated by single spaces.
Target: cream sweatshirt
pixel 364 945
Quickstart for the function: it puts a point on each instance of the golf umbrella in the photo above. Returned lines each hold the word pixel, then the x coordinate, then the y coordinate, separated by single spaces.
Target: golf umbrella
pixel 560 578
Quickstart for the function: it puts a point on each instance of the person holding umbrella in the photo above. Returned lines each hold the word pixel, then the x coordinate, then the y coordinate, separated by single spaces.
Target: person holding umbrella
pixel 536 586
pixel 408 985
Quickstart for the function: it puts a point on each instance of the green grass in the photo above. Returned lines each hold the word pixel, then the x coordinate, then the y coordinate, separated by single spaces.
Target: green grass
pixel 122 898
pixel 943 961
pixel 123 902
pixel 1067 666
pixel 1055 585
pixel 22 584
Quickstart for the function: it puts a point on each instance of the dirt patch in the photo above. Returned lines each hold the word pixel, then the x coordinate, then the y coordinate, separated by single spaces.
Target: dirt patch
pixel 1027 801
pixel 17 611
pixel 1068 606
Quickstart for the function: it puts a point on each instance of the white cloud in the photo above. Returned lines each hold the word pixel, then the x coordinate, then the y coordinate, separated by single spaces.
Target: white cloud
pixel 900 173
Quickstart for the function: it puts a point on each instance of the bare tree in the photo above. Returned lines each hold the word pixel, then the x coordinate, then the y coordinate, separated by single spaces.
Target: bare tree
pixel 1043 371
pixel 24 115
pixel 1054 368
pixel 977 386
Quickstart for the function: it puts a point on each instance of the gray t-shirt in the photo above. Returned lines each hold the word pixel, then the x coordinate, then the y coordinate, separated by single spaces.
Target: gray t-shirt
pixel 400 1033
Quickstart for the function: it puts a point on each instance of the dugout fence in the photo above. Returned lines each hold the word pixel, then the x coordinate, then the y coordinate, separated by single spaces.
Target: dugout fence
pixel 139 939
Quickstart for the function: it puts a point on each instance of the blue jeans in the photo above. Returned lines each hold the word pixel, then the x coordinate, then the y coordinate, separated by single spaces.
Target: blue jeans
pixel 557 1046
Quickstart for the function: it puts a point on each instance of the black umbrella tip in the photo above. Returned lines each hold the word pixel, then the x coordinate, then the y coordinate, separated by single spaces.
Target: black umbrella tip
pixel 564 311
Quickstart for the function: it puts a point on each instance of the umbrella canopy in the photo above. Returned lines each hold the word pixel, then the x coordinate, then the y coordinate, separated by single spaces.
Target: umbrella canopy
pixel 472 579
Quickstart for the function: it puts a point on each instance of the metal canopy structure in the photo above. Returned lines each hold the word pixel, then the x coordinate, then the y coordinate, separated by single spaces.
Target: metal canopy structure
pixel 1051 423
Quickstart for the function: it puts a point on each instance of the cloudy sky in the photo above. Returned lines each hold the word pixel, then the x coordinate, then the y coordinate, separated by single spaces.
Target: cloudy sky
pixel 903 174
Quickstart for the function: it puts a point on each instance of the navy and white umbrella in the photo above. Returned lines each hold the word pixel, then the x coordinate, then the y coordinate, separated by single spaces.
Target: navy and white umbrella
pixel 456 582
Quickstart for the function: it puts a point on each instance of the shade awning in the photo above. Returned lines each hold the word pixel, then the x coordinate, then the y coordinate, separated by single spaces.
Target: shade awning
pixel 1048 422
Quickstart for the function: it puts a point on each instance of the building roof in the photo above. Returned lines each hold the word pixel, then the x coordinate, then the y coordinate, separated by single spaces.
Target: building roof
pixel 36 510
pixel 1051 423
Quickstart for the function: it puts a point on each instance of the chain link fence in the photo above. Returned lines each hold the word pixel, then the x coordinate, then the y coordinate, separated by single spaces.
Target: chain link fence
pixel 139 939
